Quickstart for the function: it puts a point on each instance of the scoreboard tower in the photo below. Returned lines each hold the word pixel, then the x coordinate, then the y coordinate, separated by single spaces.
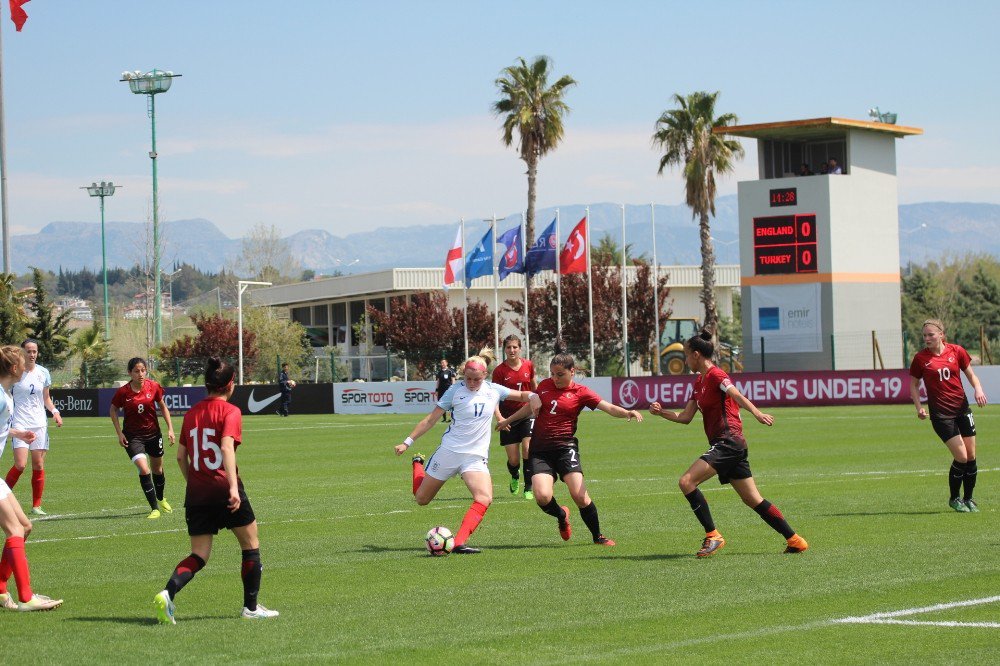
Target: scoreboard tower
pixel 819 254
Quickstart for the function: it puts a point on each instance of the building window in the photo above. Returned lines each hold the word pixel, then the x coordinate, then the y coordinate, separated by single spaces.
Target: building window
pixel 301 315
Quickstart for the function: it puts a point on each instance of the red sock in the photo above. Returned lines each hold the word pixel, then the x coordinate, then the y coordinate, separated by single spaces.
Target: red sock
pixel 13 474
pixel 5 571
pixel 37 486
pixel 13 552
pixel 418 476
pixel 473 517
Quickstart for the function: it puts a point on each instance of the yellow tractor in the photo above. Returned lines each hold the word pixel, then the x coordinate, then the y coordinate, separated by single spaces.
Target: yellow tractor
pixel 672 338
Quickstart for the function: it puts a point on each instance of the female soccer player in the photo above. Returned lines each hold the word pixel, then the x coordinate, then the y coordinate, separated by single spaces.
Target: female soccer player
pixel 519 374
pixel 215 497
pixel 939 365
pixel 141 435
pixel 719 401
pixel 554 448
pixel 465 444
pixel 15 524
pixel 31 399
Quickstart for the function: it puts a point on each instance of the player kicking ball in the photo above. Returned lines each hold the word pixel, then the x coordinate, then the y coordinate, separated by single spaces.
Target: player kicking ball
pixel 215 496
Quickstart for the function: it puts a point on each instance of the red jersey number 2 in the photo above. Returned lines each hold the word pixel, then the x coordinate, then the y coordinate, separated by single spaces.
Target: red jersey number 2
pixel 205 451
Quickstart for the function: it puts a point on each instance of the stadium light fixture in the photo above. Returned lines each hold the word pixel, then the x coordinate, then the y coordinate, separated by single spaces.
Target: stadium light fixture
pixel 241 287
pixel 105 189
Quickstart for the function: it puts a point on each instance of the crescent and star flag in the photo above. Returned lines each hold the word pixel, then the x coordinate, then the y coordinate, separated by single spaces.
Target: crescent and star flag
pixel 17 13
pixel 453 262
pixel 480 262
pixel 573 258
pixel 542 255
pixel 511 261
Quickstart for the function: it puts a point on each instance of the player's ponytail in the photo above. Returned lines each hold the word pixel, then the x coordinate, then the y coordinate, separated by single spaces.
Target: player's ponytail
pixel 12 360
pixel 562 358
pixel 218 375
pixel 481 361
pixel 702 343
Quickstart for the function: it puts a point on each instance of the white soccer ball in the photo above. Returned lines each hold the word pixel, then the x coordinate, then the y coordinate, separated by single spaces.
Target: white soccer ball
pixel 439 541
pixel 291 383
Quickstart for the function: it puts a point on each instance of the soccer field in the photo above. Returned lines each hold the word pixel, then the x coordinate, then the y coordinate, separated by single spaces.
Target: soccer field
pixel 344 563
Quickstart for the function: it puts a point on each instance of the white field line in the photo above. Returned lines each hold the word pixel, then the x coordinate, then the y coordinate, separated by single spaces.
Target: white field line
pixel 890 617
pixel 322 426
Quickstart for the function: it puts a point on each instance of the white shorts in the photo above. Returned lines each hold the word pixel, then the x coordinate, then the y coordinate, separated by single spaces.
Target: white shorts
pixel 444 464
pixel 41 442
pixel 4 490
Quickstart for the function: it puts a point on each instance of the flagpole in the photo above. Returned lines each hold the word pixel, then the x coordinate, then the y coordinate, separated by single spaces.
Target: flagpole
pixel 496 289
pixel 656 295
pixel 558 282
pixel 465 295
pixel 3 171
pixel 624 302
pixel 590 298
pixel 524 258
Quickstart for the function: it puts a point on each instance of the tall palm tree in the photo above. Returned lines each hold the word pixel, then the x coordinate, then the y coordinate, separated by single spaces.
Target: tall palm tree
pixel 685 134
pixel 533 110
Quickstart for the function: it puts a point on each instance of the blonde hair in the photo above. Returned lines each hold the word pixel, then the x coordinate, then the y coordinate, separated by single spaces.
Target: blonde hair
pixel 11 358
pixel 485 356
pixel 936 323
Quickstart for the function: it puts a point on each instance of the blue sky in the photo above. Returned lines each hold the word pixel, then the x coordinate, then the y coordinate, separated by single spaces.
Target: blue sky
pixel 349 116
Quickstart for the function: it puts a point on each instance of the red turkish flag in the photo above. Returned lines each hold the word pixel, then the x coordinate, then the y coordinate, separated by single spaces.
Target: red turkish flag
pixel 573 258
pixel 17 13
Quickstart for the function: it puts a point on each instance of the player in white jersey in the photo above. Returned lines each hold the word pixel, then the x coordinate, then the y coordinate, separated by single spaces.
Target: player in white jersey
pixel 465 444
pixel 31 399
pixel 15 524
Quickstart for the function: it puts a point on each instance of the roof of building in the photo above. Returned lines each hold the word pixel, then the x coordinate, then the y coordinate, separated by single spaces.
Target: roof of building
pixel 814 129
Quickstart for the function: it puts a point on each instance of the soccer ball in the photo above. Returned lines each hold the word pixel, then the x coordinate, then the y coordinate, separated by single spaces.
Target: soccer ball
pixel 291 383
pixel 439 541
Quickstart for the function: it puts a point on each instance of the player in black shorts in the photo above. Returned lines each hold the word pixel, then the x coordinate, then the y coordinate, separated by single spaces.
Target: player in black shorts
pixel 445 378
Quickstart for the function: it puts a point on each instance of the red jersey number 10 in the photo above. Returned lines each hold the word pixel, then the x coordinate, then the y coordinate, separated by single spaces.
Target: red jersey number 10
pixel 205 450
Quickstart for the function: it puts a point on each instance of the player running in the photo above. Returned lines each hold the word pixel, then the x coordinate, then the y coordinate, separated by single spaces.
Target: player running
pixel 939 365
pixel 15 524
pixel 719 401
pixel 215 497
pixel 519 374
pixel 554 448
pixel 465 444
pixel 31 399
pixel 141 436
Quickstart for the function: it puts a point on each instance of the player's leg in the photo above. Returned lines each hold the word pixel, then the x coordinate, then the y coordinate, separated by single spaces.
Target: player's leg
pixel 16 526
pixel 154 449
pixel 201 550
pixel 526 458
pixel 38 472
pixel 971 471
pixel 146 483
pixel 250 572
pixel 699 472
pixel 746 488
pixel 513 450
pixel 480 484
pixel 588 510
pixel 956 473
pixel 20 452
pixel 542 488
pixel 428 489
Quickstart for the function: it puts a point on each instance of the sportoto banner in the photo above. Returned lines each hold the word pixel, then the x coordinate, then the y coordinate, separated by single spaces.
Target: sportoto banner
pixel 785 389
pixel 384 398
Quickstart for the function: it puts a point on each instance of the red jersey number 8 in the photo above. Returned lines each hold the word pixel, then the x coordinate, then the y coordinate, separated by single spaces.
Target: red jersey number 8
pixel 204 448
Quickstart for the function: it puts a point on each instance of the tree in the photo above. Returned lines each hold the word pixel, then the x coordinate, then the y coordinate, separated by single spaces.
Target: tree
pixel 276 337
pixel 608 253
pixel 13 317
pixel 265 256
pixel 50 330
pixel 686 134
pixel 217 336
pixel 97 367
pixel 533 110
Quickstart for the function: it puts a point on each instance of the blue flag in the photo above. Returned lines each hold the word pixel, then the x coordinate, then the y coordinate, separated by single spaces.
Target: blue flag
pixel 512 260
pixel 542 255
pixel 480 261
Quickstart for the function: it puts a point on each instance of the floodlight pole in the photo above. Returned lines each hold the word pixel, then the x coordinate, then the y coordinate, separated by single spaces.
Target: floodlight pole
pixel 105 189
pixel 241 287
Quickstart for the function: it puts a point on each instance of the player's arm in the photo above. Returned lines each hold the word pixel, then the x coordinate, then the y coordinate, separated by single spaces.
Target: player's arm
pixel 113 413
pixel 619 412
pixel 745 403
pixel 166 417
pixel 976 386
pixel 422 427
pixel 915 397
pixel 23 435
pixel 182 459
pixel 526 409
pixel 684 416
pixel 51 406
pixel 229 464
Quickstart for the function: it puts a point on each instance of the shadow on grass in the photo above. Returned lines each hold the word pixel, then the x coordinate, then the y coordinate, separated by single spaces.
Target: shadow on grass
pixel 106 516
pixel 151 621
pixel 883 513
pixel 372 548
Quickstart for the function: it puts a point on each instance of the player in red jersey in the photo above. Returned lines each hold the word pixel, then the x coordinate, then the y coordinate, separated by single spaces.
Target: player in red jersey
pixel 141 436
pixel 719 401
pixel 518 374
pixel 939 365
pixel 554 448
pixel 215 498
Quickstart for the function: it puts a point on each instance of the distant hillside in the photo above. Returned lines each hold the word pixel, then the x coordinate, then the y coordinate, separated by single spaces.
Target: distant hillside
pixel 928 231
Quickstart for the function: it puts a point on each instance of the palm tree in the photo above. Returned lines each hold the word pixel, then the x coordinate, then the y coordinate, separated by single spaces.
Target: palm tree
pixel 534 111
pixel 13 316
pixel 89 344
pixel 686 135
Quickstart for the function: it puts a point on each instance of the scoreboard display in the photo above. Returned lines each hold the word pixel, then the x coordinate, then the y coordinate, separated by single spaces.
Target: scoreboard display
pixel 784 244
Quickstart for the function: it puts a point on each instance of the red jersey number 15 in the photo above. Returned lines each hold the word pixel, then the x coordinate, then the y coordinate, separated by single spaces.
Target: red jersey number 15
pixel 205 451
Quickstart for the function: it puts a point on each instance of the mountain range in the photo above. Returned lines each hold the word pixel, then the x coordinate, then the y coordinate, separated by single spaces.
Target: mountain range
pixel 928 231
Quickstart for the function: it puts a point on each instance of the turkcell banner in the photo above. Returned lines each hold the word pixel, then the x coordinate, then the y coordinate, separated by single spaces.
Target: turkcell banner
pixel 785 389
pixel 384 397
pixel 788 317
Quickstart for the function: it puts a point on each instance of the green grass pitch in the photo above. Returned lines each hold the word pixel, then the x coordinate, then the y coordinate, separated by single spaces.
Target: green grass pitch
pixel 342 546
